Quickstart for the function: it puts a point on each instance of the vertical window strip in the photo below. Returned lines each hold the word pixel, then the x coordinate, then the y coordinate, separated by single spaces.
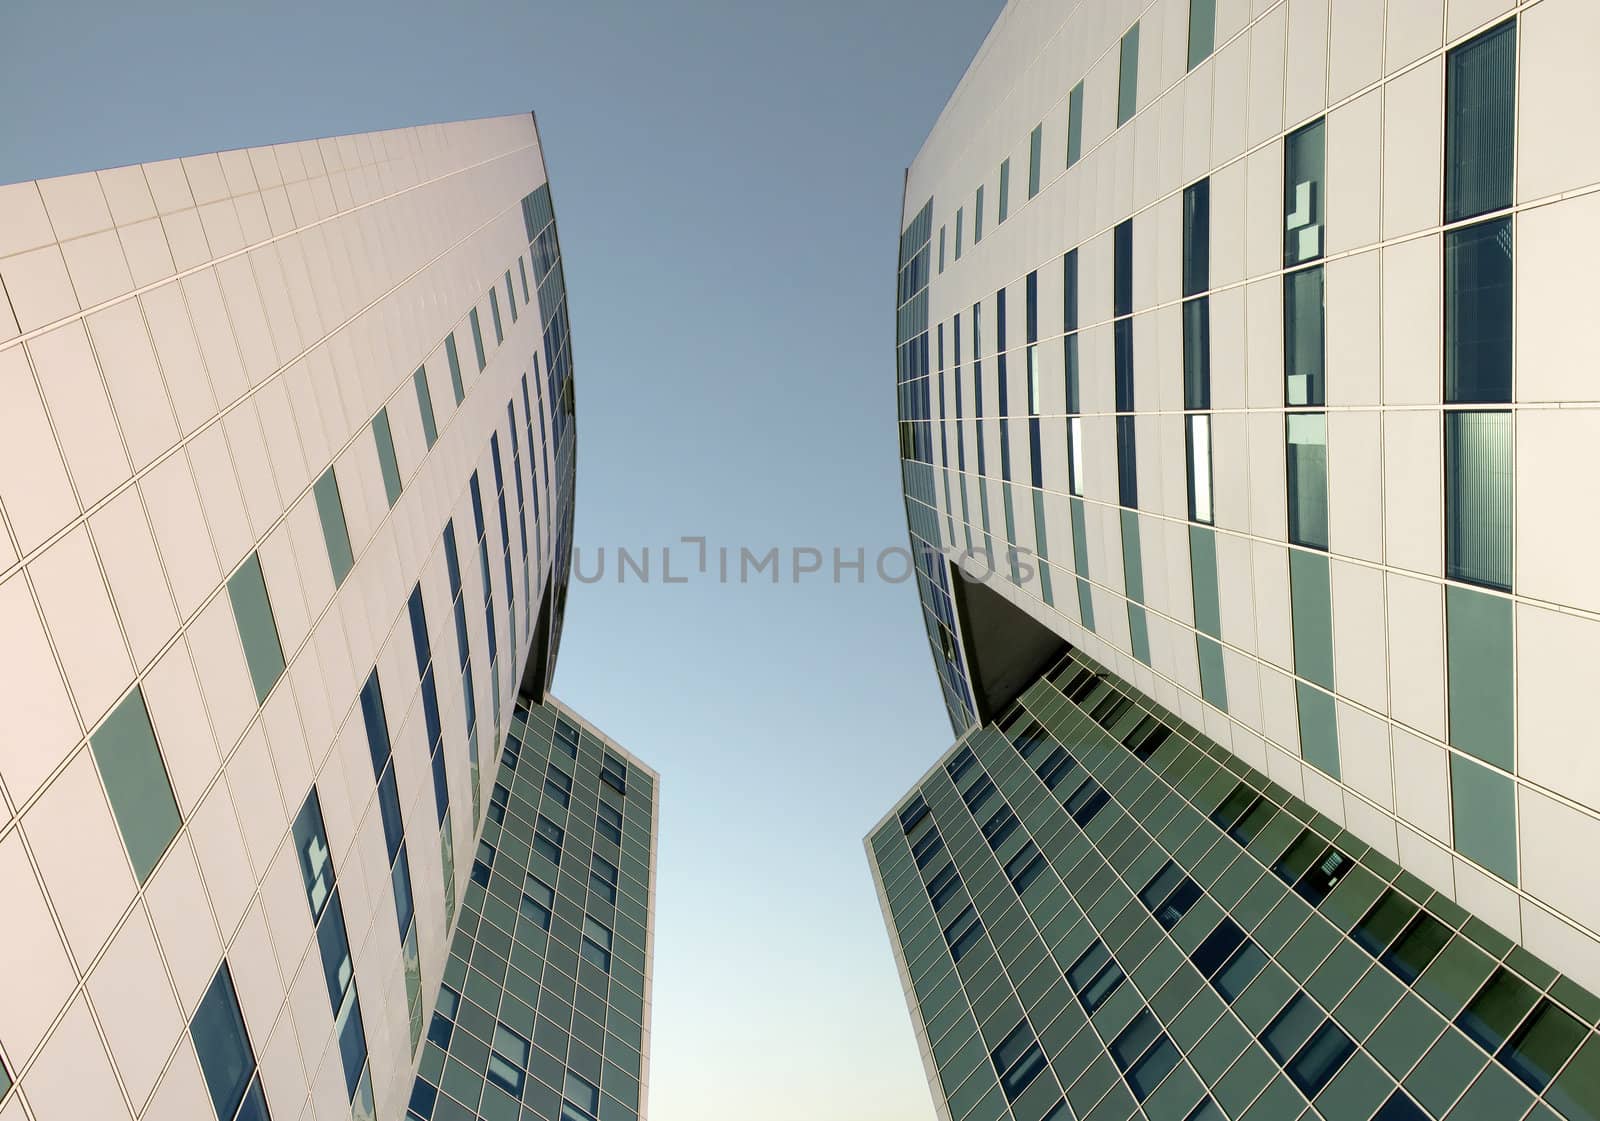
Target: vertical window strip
pixel 457 598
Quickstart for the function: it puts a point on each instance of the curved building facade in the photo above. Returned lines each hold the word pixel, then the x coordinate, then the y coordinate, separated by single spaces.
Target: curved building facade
pixel 1238 362
pixel 287 479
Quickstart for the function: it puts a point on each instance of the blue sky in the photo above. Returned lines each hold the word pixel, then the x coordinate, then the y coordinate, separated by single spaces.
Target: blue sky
pixel 727 183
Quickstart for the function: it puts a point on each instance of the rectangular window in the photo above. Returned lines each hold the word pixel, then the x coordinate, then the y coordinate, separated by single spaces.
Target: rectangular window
pixel 511 294
pixel 614 773
pixel 1234 977
pixel 508 1060
pixel 596 947
pixel 1018 1060
pixel 1197 353
pixel 958 233
pixel 1478 643
pixel 1128 77
pixel 602 879
pixel 566 738
pixel 1306 460
pixel 1075 456
pixel 494 315
pixel 977 217
pixel 1035 150
pixel 580 1097
pixel 258 631
pixel 538 900
pixel 455 366
pixel 557 785
pixel 1483 806
pixel 1197 238
pixel 129 760
pixel 1025 867
pixel 1480 123
pixel 1199 439
pixel 1095 976
pixel 547 839
pixel 1315 1064
pixel 608 823
pixel 222 1045
pixel 384 439
pixel 941 249
pixel 522 275
pixel 1541 1047
pixel 1001 824
pixel 1303 349
pixel 430 424
pixel 1075 124
pixel 1479 497
pixel 335 533
pixel 1122 269
pixel 1202 30
pixel 1169 895
pixel 1127 463
pixel 1304 163
pixel 1477 313
pixel 477 339
pixel 1005 190
pixel 1086 801
pixel 943 887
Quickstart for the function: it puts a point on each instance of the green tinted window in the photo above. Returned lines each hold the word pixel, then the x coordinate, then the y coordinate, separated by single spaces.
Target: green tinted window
pixel 136 782
pixel 1128 76
pixel 258 631
pixel 1035 144
pixel 1075 124
pixel 1479 647
pixel 1203 563
pixel 1213 683
pixel 455 366
pixel 477 339
pixel 1319 736
pixel 430 426
pixel 384 438
pixel 494 313
pixel 1483 806
pixel 335 534
pixel 1313 617
pixel 1202 30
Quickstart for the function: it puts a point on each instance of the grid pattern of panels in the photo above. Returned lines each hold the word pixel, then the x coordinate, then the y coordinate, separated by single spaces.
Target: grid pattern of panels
pixel 1299 427
pixel 235 428
pixel 1099 912
pixel 545 1008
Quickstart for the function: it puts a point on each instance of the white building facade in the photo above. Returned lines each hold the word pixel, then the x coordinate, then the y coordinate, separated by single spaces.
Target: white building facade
pixel 286 478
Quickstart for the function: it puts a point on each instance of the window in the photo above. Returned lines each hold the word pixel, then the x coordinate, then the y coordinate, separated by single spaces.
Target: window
pixel 1306 462
pixel 455 366
pixel 1005 190
pixel 1001 824
pixel 1304 162
pixel 1496 1011
pixel 335 534
pixel 1315 1064
pixel 1018 1060
pixel 958 766
pixel 1479 497
pixel 1483 809
pixel 223 1046
pixel 1075 124
pixel 580 1100
pixel 1035 147
pixel 943 887
pixel 1169 895
pixel 1095 976
pixel 384 439
pixel 258 631
pixel 1290 1029
pixel 1542 1045
pixel 602 878
pixel 538 899
pixel 1025 867
pixel 1383 921
pixel 608 823
pixel 508 1060
pixel 1197 238
pixel 566 738
pixel 978 794
pixel 1127 453
pixel 941 249
pixel 596 943
pixel 557 784
pixel 977 216
pixel 1302 338
pixel 614 773
pixel 1122 276
pixel 522 275
pixel 511 293
pixel 1399 1108
pixel 477 338
pixel 927 846
pixel 1075 451
pixel 1202 30
pixel 443 1024
pixel 1219 946
pixel 494 315
pixel 1128 77
pixel 962 932
pixel 1197 353
pixel 129 760
pixel 1056 767
pixel 958 233
pixel 1416 947
pixel 498 798
pixel 1199 447
pixel 1144 1054
pixel 1088 800
pixel 482 863
pixel 547 839
pixel 1480 123
pixel 1477 313
pixel 1234 977
pixel 316 861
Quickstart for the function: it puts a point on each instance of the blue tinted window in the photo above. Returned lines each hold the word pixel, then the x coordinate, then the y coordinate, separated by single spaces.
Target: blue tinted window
pixel 223 1045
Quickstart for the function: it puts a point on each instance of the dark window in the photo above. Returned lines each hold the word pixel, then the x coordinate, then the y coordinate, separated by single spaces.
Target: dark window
pixel 912 813
pixel 223 1045
pixel 614 773
pixel 1075 124
pixel 1233 807
pixel 1018 1060
pixel 557 784
pixel 547 839
pixel 508 1056
pixel 1152 1067
pixel 1497 1010
pixel 1542 1046
pixel 1315 1064
pixel 1303 350
pixel 596 948
pixel 1322 877
pixel 1197 353
pixel 482 864
pixel 961 764
pixel 1122 269
pixel 1477 313
pixel 1056 767
pixel 566 738
pixel 1479 497
pixel 1169 895
pixel 1088 800
pixel 1127 463
pixel 1025 867
pixel 1218 947
pixel 1197 238
pixel 538 898
pixel 1290 1029
pixel 602 878
pixel 1234 977
pixel 943 887
pixel 1095 976
pixel 1304 161
pixel 1480 123
pixel 1387 917
pixel 962 932
pixel 1400 1108
pixel 929 845
pixel 1416 947
pixel 978 794
pixel 1001 824
pixel 608 823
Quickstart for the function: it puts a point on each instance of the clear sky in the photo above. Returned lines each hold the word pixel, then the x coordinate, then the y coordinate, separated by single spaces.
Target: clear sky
pixel 727 182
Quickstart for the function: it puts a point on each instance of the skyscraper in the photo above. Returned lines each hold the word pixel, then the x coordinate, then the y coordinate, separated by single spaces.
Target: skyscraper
pixel 1236 342
pixel 286 484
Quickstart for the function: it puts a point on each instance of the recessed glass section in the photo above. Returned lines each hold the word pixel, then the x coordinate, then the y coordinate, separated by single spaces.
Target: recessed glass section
pixel 1306 462
pixel 222 1045
pixel 1304 167
pixel 1075 124
pixel 1303 351
pixel 384 439
pixel 454 360
pixel 1005 191
pixel 1483 805
pixel 258 630
pixel 1478 635
pixel 1128 76
pixel 1197 238
pixel 1478 313
pixel 430 425
pixel 477 338
pixel 335 533
pixel 1202 30
pixel 129 760
pixel 1197 353
pixel 1035 147
pixel 1479 497
pixel 1480 123
pixel 1199 440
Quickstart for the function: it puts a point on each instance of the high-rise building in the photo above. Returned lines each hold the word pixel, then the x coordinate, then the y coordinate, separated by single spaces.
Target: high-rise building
pixel 286 485
pixel 1236 350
